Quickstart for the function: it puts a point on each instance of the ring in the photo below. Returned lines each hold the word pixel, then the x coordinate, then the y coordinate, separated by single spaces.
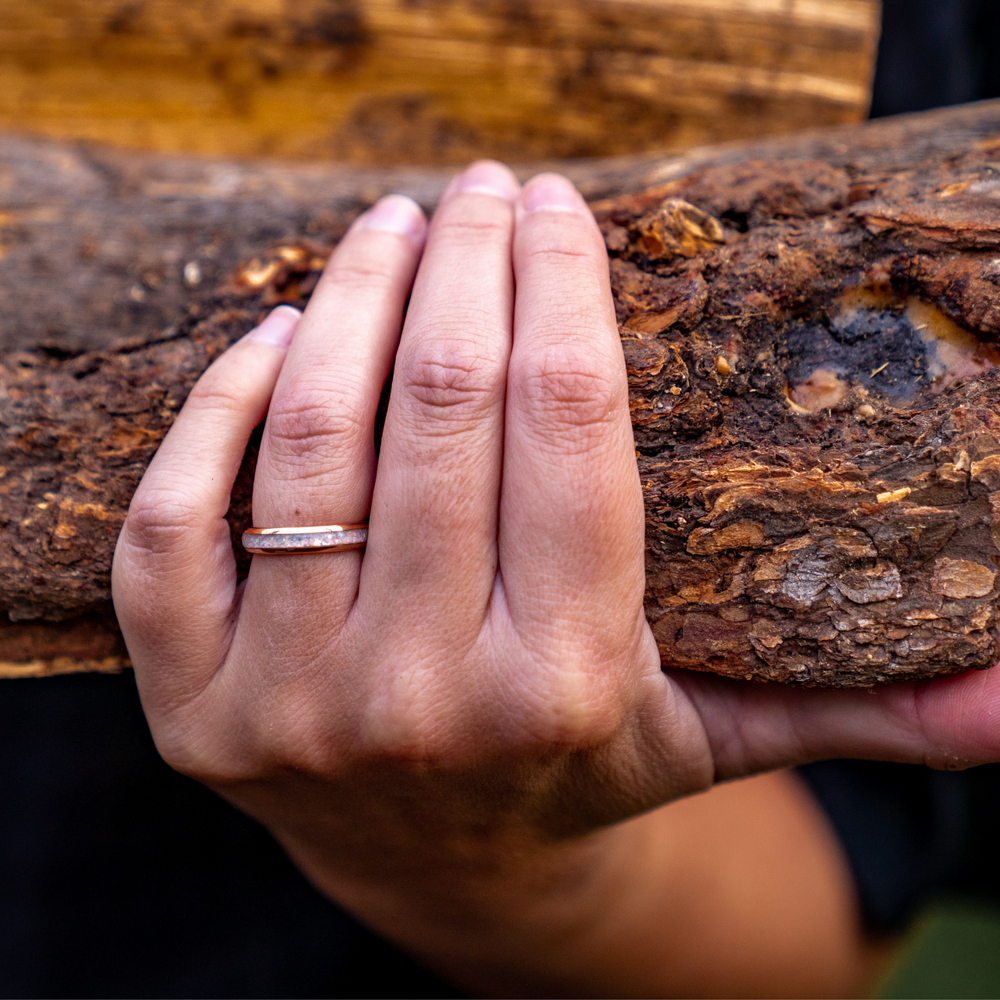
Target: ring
pixel 294 541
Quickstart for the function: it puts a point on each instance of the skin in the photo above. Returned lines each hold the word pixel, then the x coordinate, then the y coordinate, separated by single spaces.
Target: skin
pixel 463 734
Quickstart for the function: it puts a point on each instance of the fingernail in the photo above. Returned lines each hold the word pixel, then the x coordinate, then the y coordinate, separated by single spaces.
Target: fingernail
pixel 552 192
pixel 488 177
pixel 278 329
pixel 395 214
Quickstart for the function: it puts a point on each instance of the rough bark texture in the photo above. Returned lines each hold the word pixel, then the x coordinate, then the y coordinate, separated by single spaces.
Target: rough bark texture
pixel 807 322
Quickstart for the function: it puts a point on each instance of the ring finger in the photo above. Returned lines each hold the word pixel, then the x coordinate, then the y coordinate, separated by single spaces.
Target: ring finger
pixel 317 457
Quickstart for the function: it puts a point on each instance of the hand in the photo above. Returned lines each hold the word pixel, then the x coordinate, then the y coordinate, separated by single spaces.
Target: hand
pixel 447 731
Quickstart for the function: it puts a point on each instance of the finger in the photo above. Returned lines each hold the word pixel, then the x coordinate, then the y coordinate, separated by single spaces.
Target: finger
pixel 433 527
pixel 317 457
pixel 174 575
pixel 950 723
pixel 317 460
pixel 571 511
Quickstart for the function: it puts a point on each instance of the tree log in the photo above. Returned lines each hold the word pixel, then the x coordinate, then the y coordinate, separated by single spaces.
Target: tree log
pixel 439 81
pixel 809 325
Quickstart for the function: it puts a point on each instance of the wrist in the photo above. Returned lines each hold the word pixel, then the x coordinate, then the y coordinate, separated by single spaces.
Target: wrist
pixel 507 916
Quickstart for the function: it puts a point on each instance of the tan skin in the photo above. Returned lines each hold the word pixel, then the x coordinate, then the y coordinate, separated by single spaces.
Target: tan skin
pixel 762 901
pixel 463 734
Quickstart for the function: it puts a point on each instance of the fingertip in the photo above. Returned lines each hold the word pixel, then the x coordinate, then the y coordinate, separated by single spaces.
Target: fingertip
pixel 553 193
pixel 961 711
pixel 277 329
pixel 485 177
pixel 397 214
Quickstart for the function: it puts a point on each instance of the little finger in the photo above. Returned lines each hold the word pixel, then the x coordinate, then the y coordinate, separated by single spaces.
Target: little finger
pixel 174 574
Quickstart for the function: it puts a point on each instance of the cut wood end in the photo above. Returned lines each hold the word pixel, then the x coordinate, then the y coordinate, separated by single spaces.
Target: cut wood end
pixel 63 665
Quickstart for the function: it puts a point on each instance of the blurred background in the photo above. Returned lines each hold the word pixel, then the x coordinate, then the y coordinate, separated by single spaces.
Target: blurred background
pixel 431 81
pixel 107 858
pixel 442 81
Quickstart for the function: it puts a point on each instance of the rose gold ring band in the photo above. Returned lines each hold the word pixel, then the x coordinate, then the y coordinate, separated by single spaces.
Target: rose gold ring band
pixel 299 541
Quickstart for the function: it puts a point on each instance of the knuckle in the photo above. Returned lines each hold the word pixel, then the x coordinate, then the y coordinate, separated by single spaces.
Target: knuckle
pixel 209 758
pixel 475 229
pixel 156 520
pixel 177 745
pixel 359 274
pixel 575 706
pixel 299 736
pixel 309 420
pixel 214 392
pixel 561 256
pixel 453 383
pixel 563 393
pixel 418 718
pixel 569 244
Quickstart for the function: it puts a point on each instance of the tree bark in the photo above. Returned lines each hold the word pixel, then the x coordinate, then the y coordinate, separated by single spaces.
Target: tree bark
pixel 808 324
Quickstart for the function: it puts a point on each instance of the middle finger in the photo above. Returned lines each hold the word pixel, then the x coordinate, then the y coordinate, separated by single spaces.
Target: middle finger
pixel 434 512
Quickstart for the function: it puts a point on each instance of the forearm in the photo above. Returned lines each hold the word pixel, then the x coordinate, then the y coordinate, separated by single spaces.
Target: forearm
pixel 742 888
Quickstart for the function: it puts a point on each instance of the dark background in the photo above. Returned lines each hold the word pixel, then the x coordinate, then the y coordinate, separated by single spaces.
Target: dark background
pixel 936 52
pixel 120 878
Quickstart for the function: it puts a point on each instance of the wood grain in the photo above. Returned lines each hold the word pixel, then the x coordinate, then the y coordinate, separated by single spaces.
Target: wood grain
pixel 434 81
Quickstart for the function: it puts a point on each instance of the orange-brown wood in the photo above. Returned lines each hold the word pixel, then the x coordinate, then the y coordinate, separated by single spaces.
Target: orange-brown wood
pixel 431 81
